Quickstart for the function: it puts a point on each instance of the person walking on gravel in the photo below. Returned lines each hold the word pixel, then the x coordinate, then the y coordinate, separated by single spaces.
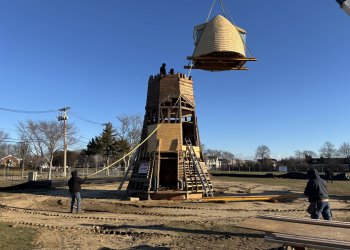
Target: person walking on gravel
pixel 74 184
pixel 316 191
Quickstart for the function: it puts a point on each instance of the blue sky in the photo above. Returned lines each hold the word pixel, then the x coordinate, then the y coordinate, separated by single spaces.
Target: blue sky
pixel 96 57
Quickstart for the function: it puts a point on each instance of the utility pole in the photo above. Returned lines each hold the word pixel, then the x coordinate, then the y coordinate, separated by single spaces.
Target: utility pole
pixel 63 117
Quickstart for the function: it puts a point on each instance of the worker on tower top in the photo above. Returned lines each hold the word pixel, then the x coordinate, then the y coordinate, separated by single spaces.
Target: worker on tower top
pixel 163 69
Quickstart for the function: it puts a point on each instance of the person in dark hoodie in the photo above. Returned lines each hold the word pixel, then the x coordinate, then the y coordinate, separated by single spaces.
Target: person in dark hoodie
pixel 74 184
pixel 316 191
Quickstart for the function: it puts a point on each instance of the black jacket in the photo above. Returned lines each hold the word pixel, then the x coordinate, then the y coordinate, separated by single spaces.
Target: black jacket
pixel 316 188
pixel 75 182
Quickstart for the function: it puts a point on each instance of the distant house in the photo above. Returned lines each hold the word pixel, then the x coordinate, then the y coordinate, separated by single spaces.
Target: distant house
pixel 10 160
pixel 213 162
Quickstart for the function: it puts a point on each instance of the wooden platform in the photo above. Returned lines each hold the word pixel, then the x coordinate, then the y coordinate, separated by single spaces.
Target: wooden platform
pixel 300 232
pixel 175 195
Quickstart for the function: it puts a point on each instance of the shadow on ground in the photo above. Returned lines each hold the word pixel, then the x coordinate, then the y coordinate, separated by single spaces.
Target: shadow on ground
pixel 242 233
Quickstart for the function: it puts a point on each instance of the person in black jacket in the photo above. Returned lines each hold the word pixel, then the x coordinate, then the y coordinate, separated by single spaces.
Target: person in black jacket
pixel 328 173
pixel 316 191
pixel 74 184
pixel 163 69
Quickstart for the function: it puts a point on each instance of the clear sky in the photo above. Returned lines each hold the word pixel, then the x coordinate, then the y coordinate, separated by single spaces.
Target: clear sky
pixel 96 57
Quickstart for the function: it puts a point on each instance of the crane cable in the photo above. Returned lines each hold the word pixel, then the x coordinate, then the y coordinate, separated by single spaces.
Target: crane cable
pixel 137 146
pixel 212 6
pixel 189 61
pixel 223 7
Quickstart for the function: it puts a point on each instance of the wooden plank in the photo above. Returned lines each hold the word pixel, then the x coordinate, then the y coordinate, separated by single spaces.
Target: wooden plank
pixel 304 241
pixel 214 68
pixel 296 228
pixel 308 221
pixel 305 245
pixel 309 238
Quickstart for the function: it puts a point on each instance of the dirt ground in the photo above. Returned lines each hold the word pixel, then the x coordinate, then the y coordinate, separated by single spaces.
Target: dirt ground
pixel 109 222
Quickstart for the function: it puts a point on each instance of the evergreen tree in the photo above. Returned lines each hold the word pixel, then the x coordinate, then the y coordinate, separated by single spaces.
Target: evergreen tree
pixel 107 145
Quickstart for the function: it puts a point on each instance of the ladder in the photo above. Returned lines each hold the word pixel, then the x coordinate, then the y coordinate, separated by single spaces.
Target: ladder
pixel 150 170
pixel 206 183
pixel 191 177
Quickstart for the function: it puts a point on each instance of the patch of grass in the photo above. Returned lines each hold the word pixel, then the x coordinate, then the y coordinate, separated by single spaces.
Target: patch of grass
pixel 16 238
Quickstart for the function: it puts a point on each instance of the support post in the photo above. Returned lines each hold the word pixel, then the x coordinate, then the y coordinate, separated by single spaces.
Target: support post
pixel 63 117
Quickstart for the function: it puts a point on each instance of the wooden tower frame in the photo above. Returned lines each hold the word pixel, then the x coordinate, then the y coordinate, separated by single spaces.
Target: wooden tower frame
pixel 170 164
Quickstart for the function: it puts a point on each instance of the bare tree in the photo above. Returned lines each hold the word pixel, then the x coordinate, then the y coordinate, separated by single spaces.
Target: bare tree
pixel 23 151
pixel 328 150
pixel 344 150
pixel 308 154
pixel 304 155
pixel 3 145
pixel 228 157
pixel 3 136
pixel 298 154
pixel 45 138
pixel 262 152
pixel 130 129
pixel 301 159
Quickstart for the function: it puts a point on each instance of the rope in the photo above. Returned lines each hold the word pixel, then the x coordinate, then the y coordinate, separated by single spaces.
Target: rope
pixel 222 8
pixel 189 72
pixel 210 11
pixel 137 146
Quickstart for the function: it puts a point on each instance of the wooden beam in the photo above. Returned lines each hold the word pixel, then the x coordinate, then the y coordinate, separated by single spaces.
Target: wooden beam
pixel 221 58
pixel 214 68
pixel 327 223
pixel 307 241
pixel 158 164
pixel 224 63
pixel 296 228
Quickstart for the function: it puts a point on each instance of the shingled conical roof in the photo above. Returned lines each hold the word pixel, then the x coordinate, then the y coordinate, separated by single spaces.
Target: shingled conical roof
pixel 219 35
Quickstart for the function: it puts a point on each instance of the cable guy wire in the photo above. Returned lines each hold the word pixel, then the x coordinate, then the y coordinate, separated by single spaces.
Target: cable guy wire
pixel 29 112
pixel 85 119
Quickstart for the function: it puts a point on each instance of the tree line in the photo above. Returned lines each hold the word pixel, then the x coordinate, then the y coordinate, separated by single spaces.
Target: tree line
pixel 40 143
pixel 329 156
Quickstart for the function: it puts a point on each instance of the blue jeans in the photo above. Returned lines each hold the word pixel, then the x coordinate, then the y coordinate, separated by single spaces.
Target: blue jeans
pixel 75 196
pixel 322 208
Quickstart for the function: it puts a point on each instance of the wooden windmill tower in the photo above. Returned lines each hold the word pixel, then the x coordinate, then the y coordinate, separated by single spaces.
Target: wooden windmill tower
pixel 170 164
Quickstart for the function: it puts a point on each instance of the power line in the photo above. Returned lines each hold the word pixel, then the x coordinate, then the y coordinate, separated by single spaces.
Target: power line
pixel 29 112
pixel 85 119
pixel 9 129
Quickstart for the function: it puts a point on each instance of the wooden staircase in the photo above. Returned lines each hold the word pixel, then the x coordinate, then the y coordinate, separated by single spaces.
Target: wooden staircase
pixel 196 178
pixel 141 179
